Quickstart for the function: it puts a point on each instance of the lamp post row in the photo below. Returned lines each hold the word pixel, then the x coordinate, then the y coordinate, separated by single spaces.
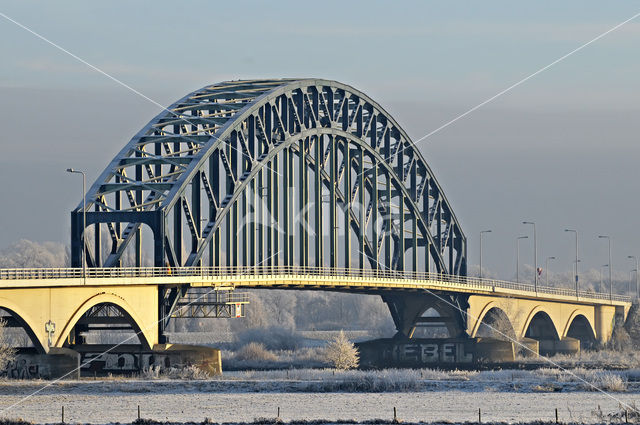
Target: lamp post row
pixel 577 260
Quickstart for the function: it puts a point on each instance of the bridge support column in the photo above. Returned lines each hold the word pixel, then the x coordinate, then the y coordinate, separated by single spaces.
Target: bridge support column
pixel 407 308
pixel 605 320
pixel 550 347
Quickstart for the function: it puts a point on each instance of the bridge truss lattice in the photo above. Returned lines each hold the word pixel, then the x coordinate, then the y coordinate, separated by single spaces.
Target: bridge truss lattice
pixel 272 172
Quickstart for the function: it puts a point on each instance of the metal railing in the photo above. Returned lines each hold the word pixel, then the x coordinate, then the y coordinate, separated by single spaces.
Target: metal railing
pixel 325 272
pixel 214 297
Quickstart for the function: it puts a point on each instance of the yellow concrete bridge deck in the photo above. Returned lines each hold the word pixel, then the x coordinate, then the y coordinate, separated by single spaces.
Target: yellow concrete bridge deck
pixel 295 277
pixel 50 301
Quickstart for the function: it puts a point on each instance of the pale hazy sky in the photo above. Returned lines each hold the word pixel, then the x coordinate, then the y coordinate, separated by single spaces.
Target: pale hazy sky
pixel 562 149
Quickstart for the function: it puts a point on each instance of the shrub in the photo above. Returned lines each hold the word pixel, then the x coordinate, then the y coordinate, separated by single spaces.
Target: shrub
pixel 341 353
pixel 620 339
pixel 255 351
pixel 191 373
pixel 611 382
pixel 632 325
pixel 151 372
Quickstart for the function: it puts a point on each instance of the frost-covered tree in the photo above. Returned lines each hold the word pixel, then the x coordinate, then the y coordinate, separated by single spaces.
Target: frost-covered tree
pixel 632 325
pixel 25 253
pixel 7 352
pixel 341 353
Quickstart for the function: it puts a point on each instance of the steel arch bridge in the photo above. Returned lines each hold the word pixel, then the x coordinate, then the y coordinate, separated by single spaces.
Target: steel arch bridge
pixel 274 173
pixel 297 184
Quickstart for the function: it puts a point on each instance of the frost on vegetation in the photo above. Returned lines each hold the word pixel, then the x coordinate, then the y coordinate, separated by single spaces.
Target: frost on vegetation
pixel 248 358
pixel 255 351
pixel 191 372
pixel 608 382
pixel 627 413
pixel 594 379
pixel 26 253
pixel 386 380
pixel 7 352
pixel 341 353
pixel 507 375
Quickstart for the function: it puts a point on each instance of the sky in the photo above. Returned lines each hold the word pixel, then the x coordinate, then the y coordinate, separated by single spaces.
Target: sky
pixel 561 149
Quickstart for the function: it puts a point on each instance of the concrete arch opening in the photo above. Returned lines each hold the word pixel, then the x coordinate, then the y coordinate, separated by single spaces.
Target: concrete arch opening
pixel 432 323
pixel 542 329
pixel 104 325
pixel 17 332
pixel 581 329
pixel 496 324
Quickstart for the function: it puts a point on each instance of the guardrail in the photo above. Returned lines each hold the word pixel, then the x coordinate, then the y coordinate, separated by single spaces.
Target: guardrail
pixel 214 297
pixel 217 271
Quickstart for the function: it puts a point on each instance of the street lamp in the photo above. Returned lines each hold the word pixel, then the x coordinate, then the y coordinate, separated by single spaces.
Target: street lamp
pixel 518 256
pixel 84 221
pixel 610 266
pixel 633 257
pixel 535 255
pixel 577 261
pixel 483 231
pixel 629 283
pixel 546 268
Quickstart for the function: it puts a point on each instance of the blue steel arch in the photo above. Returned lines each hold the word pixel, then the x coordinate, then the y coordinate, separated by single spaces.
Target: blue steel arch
pixel 224 156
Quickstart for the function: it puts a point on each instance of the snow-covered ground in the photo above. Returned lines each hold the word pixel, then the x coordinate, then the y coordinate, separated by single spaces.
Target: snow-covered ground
pixel 418 395
pixel 186 403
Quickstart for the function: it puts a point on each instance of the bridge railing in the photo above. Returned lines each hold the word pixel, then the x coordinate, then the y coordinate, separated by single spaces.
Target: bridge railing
pixel 326 272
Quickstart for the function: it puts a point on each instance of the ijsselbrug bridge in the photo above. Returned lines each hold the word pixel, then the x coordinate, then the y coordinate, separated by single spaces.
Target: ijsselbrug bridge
pixel 294 184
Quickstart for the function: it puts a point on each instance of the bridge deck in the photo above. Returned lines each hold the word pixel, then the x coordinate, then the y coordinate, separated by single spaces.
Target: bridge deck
pixel 296 277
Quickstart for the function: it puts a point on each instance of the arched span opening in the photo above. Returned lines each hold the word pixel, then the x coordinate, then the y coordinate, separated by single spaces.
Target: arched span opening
pixel 434 323
pixel 105 325
pixel 541 327
pixel 17 333
pixel 581 329
pixel 496 324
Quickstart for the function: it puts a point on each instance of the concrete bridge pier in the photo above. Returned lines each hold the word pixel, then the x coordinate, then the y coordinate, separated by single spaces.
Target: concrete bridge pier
pixel 534 326
pixel 407 310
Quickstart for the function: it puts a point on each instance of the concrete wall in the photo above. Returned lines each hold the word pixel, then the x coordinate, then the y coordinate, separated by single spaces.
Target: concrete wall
pixel 165 356
pixel 65 363
pixel 449 352
pixel 29 364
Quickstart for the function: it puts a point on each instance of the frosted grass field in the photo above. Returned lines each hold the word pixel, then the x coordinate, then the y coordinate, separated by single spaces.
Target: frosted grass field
pixel 189 405
pixel 309 394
